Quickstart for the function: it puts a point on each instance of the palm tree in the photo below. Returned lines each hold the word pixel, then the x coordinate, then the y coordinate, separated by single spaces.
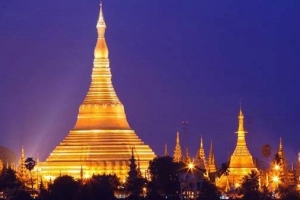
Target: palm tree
pixel 250 186
pixel 30 164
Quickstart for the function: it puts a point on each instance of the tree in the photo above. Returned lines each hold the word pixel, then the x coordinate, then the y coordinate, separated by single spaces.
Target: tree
pixel 250 186
pixel 208 191
pixel 165 177
pixel 224 169
pixel 9 183
pixel 30 164
pixel 22 195
pixel 64 187
pixel 288 192
pixel 100 187
pixel 135 182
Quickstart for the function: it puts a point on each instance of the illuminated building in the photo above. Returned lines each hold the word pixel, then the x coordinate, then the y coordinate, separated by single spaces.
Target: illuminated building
pixel 177 157
pixel 201 155
pixel 211 162
pixel 101 140
pixel 241 162
pixel 22 172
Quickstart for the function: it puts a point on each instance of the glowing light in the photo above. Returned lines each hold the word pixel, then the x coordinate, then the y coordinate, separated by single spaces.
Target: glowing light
pixel 237 185
pixel 275 179
pixel 277 167
pixel 191 166
pixel 86 176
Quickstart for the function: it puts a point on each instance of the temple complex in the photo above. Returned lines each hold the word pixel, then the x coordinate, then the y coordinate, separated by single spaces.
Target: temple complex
pixel 241 162
pixel 101 140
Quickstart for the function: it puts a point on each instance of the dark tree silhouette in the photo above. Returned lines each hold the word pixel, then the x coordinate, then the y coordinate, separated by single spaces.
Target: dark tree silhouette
pixel 165 177
pixel 30 164
pixel 208 191
pixel 100 187
pixel 288 192
pixel 135 182
pixel 224 169
pixel 9 183
pixel 250 186
pixel 22 195
pixel 64 187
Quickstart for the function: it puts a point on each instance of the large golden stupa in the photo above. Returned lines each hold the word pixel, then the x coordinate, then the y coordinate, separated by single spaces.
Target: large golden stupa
pixel 241 161
pixel 102 140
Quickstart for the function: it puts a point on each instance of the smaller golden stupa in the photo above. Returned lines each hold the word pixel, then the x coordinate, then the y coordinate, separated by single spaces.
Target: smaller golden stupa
pixel 241 161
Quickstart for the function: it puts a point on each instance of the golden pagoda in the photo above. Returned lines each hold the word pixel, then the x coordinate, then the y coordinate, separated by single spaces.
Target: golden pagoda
pixel 177 156
pixel 101 140
pixel 241 162
pixel 211 162
pixel 200 157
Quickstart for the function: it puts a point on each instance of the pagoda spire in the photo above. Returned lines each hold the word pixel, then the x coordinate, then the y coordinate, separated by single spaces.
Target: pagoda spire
pixel 22 172
pixel 241 161
pixel 280 158
pixel 101 108
pixel 201 152
pixel 241 142
pixel 187 156
pixel 177 157
pixel 211 159
pixel 166 150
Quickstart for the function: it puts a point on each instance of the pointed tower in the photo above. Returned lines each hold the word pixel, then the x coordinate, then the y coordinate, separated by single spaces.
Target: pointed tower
pixel 187 158
pixel 241 162
pixel 177 157
pixel 101 139
pixel 279 157
pixel 166 150
pixel 22 172
pixel 211 163
pixel 201 155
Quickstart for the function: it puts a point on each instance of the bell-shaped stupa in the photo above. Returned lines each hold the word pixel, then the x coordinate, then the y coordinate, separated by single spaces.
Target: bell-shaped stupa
pixel 101 140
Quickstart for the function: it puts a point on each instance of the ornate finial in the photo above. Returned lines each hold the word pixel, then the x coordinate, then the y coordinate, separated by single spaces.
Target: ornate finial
pixel 166 150
pixel 22 152
pixel 201 142
pixel 241 121
pixel 241 111
pixel 101 22
pixel 280 143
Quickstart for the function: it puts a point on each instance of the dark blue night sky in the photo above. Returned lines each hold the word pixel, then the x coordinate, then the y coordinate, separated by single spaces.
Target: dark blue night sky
pixel 171 61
